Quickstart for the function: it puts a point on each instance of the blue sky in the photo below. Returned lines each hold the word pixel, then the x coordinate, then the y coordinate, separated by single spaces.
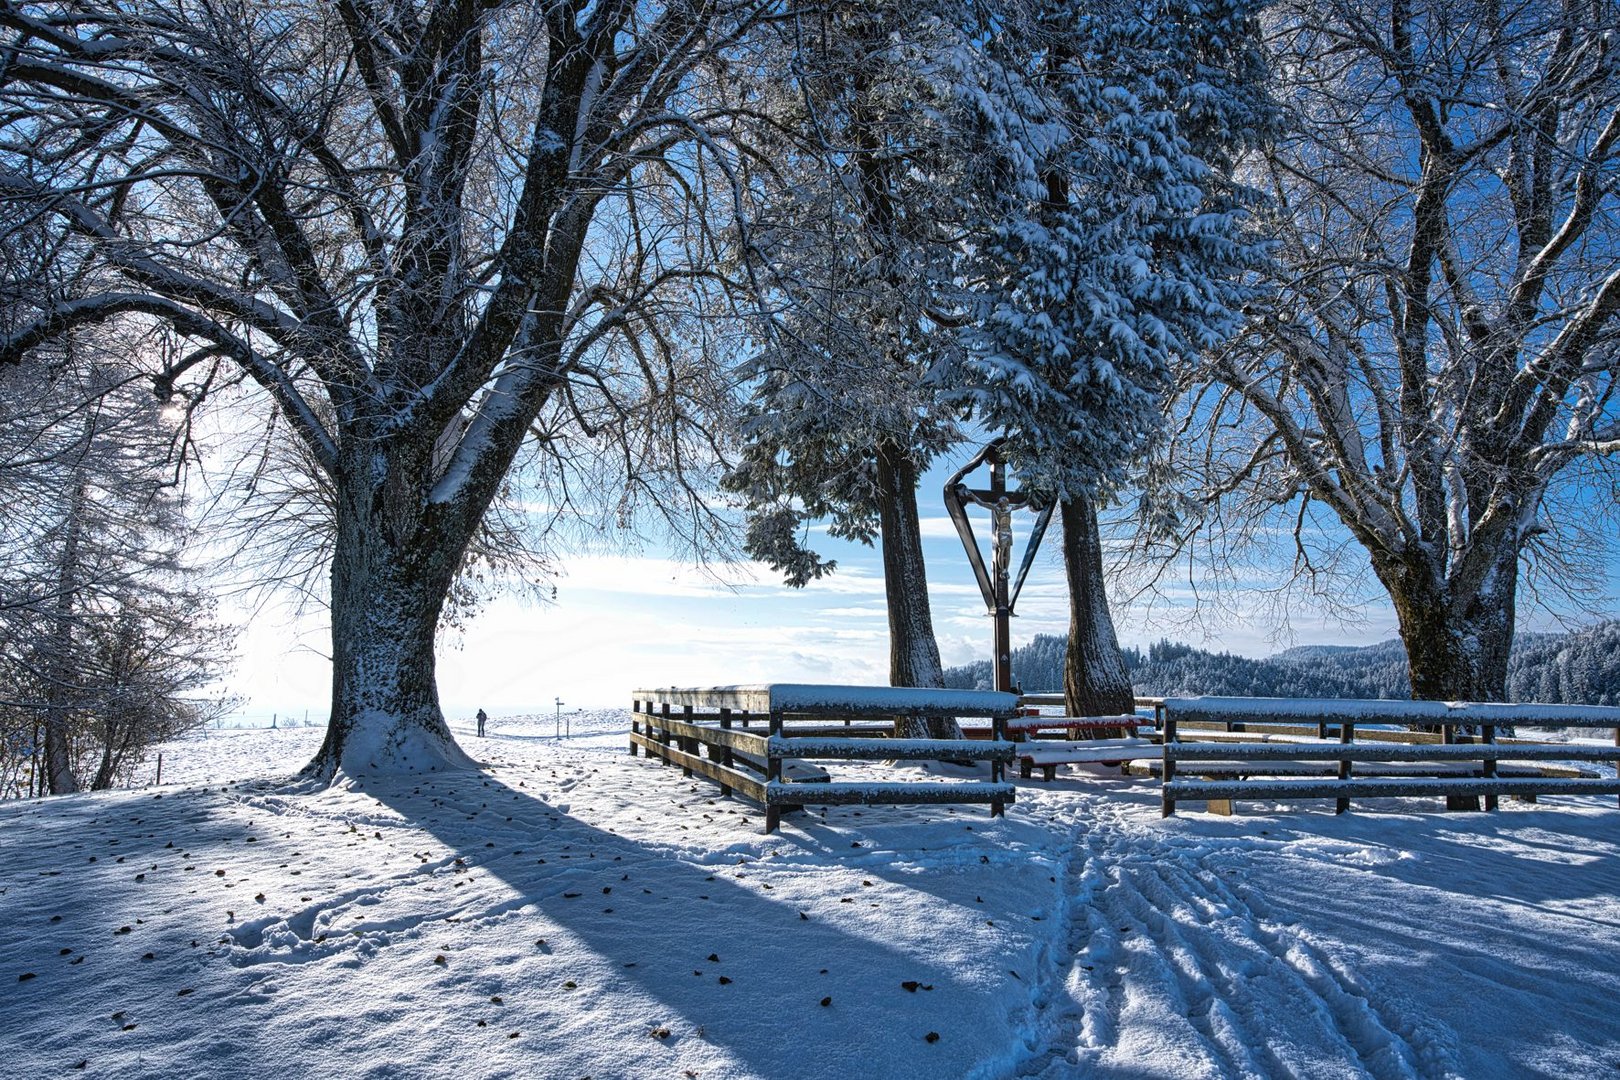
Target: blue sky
pixel 628 621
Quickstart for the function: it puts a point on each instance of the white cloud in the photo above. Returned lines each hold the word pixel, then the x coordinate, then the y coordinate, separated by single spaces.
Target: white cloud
pixel 647 576
pixel 875 610
pixel 943 528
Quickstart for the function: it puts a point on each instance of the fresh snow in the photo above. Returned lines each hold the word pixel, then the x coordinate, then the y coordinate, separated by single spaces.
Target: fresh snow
pixel 573 911
pixel 378 743
pixel 828 697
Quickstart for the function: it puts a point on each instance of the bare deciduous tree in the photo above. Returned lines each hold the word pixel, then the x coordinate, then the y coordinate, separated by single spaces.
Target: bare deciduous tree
pixel 432 233
pixel 1436 368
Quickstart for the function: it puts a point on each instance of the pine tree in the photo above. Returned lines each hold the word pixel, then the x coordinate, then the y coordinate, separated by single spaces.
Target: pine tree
pixel 105 639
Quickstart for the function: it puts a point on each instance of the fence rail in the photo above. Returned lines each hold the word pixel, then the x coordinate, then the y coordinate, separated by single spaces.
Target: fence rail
pixel 681 725
pixel 1465 766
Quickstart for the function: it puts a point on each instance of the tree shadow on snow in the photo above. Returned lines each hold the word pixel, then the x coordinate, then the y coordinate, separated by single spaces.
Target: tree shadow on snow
pixel 651 916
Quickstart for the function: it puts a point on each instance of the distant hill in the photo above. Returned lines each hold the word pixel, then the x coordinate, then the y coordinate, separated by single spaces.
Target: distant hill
pixel 1302 653
pixel 1582 667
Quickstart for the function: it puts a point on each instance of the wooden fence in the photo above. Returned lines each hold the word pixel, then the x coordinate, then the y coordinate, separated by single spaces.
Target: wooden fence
pixel 1461 758
pixel 757 739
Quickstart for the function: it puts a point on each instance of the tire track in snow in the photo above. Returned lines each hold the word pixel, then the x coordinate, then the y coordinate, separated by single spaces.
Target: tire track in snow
pixel 1177 955
pixel 1163 951
pixel 1257 980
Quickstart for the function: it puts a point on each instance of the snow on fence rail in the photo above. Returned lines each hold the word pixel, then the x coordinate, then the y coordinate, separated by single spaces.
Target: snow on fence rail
pixel 1059 701
pixel 1441 762
pixel 800 720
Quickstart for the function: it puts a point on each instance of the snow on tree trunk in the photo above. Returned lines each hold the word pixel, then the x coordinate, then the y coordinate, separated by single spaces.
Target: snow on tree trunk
pixel 391 571
pixel 1095 682
pixel 913 652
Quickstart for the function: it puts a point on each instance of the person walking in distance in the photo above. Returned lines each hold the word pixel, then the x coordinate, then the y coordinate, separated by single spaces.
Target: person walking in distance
pixel 482 717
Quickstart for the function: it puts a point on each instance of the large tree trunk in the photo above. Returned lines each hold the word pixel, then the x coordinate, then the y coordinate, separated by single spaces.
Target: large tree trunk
pixel 1095 682
pixel 913 651
pixel 392 567
pixel 1457 638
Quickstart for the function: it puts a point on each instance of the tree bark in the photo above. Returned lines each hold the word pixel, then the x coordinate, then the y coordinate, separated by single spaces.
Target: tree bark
pixel 107 771
pixel 913 650
pixel 1457 638
pixel 395 558
pixel 59 669
pixel 1095 682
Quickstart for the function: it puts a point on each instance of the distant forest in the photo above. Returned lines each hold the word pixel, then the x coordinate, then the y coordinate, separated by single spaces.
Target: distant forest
pixel 1578 668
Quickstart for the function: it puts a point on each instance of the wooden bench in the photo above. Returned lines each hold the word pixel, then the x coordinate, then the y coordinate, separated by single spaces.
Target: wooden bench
pixel 801 722
pixel 1275 740
pixel 1045 742
pixel 1069 728
pixel 1047 755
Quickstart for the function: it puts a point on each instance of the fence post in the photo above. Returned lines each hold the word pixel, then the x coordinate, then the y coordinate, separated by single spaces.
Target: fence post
pixel 1448 737
pixel 998 727
pixel 635 724
pixel 1167 771
pixel 159 781
pixel 725 751
pixel 1347 735
pixel 687 743
pixel 1487 734
pixel 773 772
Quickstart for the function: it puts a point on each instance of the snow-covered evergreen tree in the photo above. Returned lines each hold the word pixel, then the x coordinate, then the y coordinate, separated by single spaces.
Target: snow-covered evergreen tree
pixel 856 247
pixel 1109 243
pixel 1022 210
pixel 1109 230
pixel 106 640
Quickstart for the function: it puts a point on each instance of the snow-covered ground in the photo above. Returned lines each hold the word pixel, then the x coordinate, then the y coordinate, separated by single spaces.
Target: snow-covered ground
pixel 575 912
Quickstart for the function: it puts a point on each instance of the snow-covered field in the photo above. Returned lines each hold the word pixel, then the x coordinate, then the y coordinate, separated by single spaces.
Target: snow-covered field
pixel 575 912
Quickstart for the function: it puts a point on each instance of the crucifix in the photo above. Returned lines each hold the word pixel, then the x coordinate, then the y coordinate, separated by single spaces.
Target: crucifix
pixel 999 588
